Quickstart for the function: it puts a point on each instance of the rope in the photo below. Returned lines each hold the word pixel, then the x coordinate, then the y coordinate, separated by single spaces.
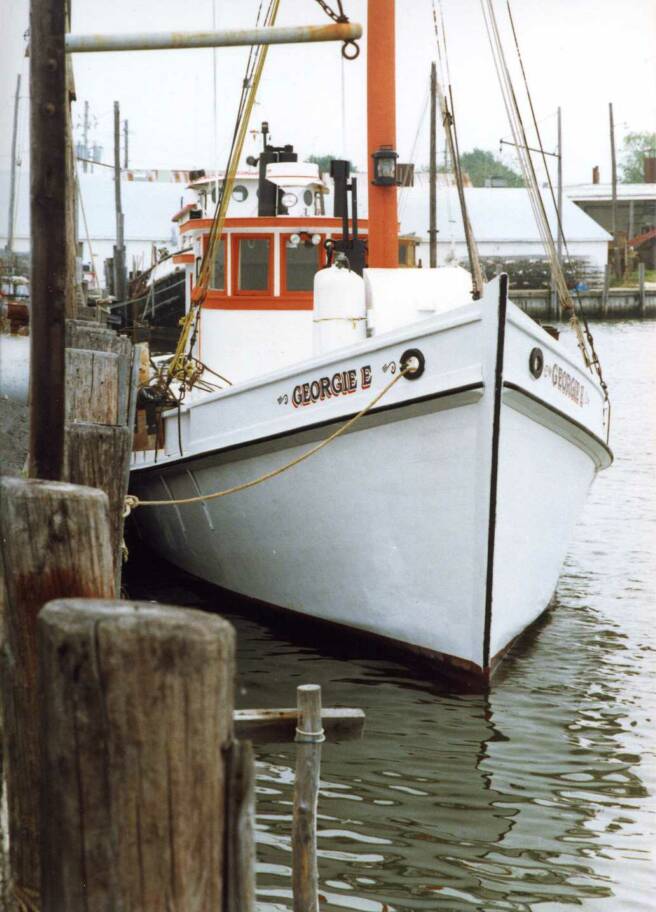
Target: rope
pixel 254 68
pixel 26 898
pixel 132 501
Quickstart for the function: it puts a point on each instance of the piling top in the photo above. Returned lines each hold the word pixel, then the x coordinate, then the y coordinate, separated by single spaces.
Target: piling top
pixel 155 619
pixel 36 487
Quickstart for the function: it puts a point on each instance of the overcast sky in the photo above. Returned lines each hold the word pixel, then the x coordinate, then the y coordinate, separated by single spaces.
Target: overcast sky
pixel 579 54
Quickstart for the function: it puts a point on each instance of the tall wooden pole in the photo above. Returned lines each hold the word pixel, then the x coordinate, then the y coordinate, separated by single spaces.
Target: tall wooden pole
pixel 616 251
pixel 432 229
pixel 12 185
pixel 51 280
pixel 381 130
pixel 125 145
pixel 119 251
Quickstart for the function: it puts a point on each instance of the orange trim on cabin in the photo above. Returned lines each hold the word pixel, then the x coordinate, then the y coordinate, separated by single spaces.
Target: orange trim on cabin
pixel 183 258
pixel 234 252
pixel 300 301
pixel 284 222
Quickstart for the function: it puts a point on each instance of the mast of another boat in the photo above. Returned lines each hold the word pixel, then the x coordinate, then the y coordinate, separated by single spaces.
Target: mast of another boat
pixel 381 132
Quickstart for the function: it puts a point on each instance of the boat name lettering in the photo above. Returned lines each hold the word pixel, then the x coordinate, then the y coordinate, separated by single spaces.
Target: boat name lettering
pixel 568 385
pixel 340 384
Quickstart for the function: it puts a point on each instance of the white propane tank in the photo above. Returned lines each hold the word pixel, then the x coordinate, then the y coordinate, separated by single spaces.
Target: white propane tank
pixel 14 367
pixel 340 315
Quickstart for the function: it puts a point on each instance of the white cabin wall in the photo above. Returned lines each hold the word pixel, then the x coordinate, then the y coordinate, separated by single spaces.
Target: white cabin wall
pixel 243 344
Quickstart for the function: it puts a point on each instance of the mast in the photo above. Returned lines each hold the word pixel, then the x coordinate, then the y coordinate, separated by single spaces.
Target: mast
pixel 616 251
pixel 12 188
pixel 432 230
pixel 381 130
pixel 120 289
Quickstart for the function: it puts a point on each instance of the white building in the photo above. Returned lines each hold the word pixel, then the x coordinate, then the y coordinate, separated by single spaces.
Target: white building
pixel 503 224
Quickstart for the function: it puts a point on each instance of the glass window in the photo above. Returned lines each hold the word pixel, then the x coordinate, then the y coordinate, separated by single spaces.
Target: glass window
pixel 302 262
pixel 217 277
pixel 240 193
pixel 254 264
pixel 308 197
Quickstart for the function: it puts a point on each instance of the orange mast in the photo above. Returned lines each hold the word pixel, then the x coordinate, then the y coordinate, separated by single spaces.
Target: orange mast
pixel 381 130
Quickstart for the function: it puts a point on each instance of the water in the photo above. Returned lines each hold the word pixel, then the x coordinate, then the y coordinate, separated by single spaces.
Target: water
pixel 540 795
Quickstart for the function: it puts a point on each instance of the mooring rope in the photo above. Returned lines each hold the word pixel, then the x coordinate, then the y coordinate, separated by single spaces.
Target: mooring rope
pixel 132 501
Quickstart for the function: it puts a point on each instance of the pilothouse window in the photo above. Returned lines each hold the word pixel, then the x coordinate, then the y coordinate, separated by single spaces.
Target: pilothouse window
pixel 254 256
pixel 217 278
pixel 301 264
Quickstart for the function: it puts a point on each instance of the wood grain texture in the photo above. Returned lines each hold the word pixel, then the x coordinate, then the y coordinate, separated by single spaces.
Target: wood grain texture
pixel 305 875
pixel 137 706
pixel 92 386
pixel 239 865
pixel 99 456
pixel 54 541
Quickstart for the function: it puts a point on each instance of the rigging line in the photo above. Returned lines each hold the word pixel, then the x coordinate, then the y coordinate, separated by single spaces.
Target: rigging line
pixel 403 194
pixel 448 123
pixel 551 190
pixel 526 160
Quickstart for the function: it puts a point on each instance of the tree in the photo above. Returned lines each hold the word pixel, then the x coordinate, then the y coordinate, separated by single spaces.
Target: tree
pixel 480 165
pixel 324 162
pixel 634 147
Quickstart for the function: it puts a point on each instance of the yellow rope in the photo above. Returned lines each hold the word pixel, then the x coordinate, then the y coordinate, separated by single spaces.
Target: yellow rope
pixel 132 501
pixel 176 369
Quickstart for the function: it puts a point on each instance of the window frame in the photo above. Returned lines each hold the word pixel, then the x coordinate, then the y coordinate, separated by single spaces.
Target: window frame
pixel 220 292
pixel 235 247
pixel 321 260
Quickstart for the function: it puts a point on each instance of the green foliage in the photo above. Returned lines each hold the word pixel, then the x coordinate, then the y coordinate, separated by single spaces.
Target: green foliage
pixel 480 164
pixel 633 150
pixel 324 162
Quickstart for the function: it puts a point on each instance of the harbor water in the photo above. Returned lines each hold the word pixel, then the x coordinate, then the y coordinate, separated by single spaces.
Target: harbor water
pixel 539 795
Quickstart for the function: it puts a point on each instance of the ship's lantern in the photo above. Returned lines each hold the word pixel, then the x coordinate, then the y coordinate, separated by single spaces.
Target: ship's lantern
pixel 316 239
pixel 385 166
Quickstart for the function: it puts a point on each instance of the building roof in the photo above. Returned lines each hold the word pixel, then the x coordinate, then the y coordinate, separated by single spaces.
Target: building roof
pixel 496 214
pixel 604 192
pixel 148 208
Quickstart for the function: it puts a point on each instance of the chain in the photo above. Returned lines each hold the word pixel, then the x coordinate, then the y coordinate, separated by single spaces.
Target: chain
pixel 341 17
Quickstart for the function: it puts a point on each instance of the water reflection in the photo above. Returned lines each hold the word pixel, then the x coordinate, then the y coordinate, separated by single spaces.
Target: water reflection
pixel 536 796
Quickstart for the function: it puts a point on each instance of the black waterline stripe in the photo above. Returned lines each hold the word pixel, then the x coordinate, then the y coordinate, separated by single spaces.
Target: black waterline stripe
pixel 556 411
pixel 342 419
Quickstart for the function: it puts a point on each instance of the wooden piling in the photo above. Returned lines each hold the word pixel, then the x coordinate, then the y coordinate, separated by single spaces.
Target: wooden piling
pixel 54 541
pixel 309 735
pixel 97 456
pixel 137 706
pixel 239 855
pixel 641 283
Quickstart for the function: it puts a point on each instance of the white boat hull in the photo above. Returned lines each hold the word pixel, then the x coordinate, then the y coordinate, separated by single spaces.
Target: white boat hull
pixel 440 521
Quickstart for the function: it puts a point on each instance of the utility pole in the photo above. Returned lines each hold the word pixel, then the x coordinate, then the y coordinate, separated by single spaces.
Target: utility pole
pixel 12 186
pixel 560 189
pixel 85 136
pixel 616 251
pixel 432 229
pixel 119 250
pixel 125 144
pixel 51 279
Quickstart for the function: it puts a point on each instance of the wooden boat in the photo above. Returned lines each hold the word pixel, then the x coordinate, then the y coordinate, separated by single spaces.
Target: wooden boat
pixel 441 519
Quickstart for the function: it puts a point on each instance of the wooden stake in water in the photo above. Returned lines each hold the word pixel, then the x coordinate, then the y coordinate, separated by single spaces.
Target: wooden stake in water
pixel 309 736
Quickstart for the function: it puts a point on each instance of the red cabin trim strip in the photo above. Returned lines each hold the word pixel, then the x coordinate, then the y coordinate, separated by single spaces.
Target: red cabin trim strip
pixel 215 301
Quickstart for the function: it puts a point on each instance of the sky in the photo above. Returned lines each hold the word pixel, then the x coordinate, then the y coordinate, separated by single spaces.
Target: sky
pixel 579 54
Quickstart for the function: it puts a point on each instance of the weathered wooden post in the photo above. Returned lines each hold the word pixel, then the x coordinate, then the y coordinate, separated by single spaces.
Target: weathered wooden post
pixel 309 735
pixel 239 865
pixel 54 541
pixel 641 283
pixel 137 706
